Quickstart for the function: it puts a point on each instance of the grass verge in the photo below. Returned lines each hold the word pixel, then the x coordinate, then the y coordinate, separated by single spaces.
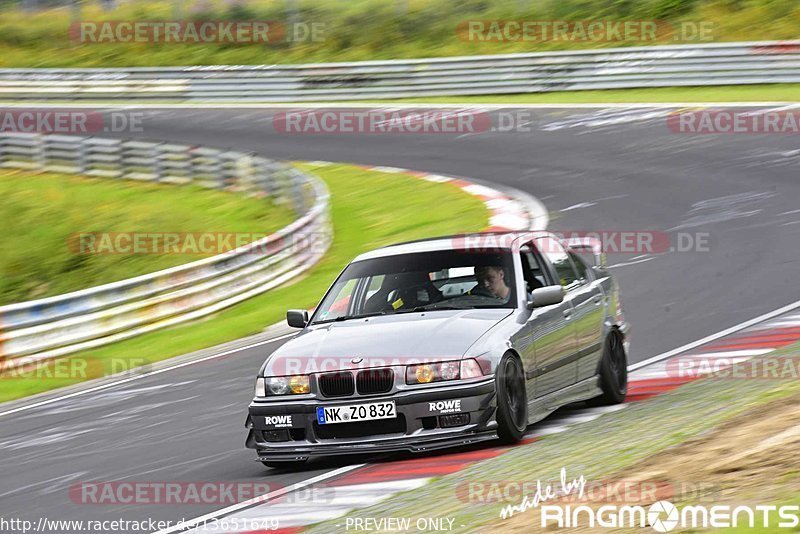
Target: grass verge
pixel 369 209
pixel 46 212
pixel 596 450
pixel 722 93
pixel 374 29
pixel 789 92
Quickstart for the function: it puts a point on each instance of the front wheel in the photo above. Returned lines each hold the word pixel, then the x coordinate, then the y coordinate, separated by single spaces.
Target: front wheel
pixel 613 371
pixel 512 401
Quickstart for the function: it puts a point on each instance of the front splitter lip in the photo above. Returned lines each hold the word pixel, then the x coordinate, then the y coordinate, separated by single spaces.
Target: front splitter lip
pixel 415 445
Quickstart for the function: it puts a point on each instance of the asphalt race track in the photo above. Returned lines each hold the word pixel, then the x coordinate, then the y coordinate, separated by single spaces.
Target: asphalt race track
pixel 613 169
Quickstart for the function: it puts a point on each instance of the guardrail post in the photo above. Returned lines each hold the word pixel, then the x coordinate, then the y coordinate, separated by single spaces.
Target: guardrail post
pixel 38 152
pixel 206 167
pixel 297 187
pixel 103 157
pixel 46 148
pixel 81 159
pixel 276 180
pixel 229 173
pixel 175 164
pixel 158 169
pixel 23 151
pixel 217 169
pixel 268 176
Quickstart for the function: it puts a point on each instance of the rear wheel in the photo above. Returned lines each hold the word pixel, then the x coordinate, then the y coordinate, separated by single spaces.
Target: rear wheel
pixel 512 401
pixel 613 371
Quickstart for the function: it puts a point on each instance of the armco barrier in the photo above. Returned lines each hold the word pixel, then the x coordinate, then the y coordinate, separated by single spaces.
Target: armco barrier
pixel 613 68
pixel 50 327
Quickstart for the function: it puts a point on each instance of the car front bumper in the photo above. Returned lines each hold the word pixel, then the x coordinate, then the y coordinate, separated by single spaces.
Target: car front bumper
pixel 421 424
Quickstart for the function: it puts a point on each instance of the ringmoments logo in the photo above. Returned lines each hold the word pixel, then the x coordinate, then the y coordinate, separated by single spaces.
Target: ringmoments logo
pixel 664 516
pixel 661 516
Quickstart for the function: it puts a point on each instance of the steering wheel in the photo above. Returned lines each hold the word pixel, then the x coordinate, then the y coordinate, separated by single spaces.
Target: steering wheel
pixel 481 291
pixel 404 293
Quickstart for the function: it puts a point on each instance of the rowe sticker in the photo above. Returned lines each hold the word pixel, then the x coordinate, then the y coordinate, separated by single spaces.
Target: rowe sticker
pixel 448 406
pixel 278 420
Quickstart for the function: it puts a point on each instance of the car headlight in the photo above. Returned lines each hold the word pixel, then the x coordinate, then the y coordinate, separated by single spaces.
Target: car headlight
pixel 285 385
pixel 437 372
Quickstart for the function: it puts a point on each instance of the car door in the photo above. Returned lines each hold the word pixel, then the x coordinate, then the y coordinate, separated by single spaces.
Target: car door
pixel 588 311
pixel 552 337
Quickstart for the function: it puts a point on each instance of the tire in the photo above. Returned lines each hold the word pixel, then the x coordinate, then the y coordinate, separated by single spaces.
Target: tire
pixel 613 372
pixel 512 401
pixel 289 465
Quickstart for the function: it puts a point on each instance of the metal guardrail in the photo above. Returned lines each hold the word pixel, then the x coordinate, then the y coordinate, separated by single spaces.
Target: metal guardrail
pixel 54 326
pixel 613 68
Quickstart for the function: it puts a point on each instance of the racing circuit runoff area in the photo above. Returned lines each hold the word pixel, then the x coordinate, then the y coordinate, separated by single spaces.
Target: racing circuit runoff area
pixel 596 169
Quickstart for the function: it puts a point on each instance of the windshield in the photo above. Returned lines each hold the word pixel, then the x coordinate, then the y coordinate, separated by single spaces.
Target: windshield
pixel 450 279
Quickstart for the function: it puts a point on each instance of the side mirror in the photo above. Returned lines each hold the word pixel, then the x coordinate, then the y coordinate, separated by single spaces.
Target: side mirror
pixel 545 296
pixel 297 318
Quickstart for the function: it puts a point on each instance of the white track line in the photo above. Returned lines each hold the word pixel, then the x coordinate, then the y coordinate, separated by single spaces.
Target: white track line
pixel 625 264
pixel 260 499
pixel 728 354
pixel 137 377
pixel 713 337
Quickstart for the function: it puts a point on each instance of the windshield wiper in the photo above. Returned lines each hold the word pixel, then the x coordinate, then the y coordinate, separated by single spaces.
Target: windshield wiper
pixel 348 317
pixel 433 307
pixel 427 307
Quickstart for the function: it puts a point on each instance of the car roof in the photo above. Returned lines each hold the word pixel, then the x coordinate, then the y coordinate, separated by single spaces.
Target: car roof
pixel 477 240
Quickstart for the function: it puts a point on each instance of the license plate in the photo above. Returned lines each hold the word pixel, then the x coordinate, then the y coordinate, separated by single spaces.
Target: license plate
pixel 356 412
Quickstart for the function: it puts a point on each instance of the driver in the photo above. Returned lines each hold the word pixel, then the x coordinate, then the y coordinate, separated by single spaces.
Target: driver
pixel 492 279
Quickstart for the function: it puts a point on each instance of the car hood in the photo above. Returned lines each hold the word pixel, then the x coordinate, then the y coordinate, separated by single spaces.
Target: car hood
pixel 383 340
